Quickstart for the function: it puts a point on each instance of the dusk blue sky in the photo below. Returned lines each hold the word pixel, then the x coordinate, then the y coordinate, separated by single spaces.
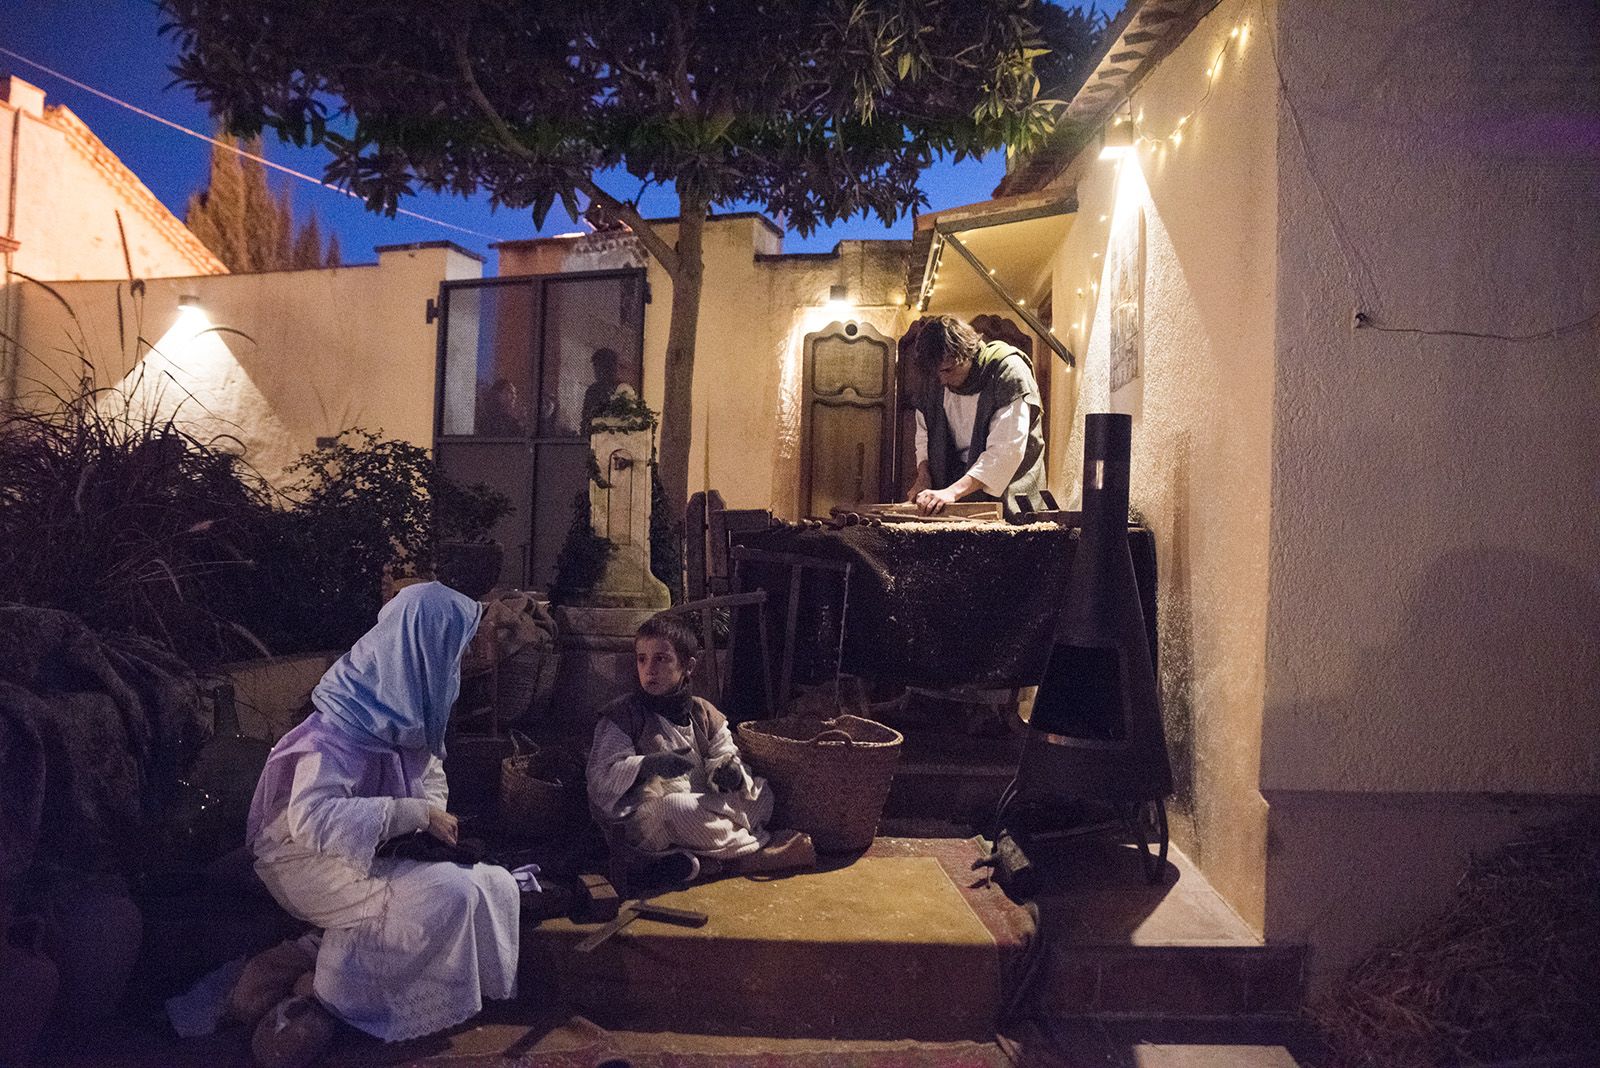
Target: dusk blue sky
pixel 114 46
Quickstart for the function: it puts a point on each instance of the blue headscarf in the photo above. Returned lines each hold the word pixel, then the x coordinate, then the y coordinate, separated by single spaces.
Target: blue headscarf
pixel 396 684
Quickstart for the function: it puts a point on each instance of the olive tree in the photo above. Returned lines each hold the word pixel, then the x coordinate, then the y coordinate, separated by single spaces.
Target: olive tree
pixel 815 111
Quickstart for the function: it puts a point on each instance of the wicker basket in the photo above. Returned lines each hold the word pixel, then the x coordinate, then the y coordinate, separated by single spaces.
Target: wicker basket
pixel 536 791
pixel 830 777
pixel 527 679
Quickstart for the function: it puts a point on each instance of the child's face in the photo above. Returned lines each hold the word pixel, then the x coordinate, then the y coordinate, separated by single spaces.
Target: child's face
pixel 660 670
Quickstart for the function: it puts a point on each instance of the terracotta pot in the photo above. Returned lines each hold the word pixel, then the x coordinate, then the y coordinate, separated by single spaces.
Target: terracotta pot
pixel 94 937
pixel 472 567
pixel 29 981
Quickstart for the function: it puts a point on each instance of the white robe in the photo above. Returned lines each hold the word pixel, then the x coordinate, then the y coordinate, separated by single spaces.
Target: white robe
pixel 699 821
pixel 409 948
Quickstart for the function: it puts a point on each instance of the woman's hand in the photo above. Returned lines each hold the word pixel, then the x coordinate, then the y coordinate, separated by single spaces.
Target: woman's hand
pixel 442 825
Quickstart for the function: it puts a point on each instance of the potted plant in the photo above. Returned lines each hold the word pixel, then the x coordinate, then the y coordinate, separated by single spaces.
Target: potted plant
pixel 466 556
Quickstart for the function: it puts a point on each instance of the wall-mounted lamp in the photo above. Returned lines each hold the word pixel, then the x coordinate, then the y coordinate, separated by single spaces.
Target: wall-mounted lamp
pixel 1118 138
pixel 188 300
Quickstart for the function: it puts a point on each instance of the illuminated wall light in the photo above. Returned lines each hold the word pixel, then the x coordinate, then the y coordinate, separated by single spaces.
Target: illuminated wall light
pixel 1177 138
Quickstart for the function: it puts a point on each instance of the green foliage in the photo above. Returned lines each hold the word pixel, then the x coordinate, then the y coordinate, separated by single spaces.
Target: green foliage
pixel 363 505
pixel 244 225
pixel 582 560
pixel 625 411
pixel 816 111
pixel 130 524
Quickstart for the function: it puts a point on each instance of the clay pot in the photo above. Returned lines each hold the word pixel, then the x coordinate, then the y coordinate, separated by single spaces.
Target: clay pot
pixel 472 567
pixel 29 981
pixel 94 935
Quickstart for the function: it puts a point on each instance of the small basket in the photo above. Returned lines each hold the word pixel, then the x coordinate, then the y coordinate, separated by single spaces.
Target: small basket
pixel 536 798
pixel 830 777
pixel 526 681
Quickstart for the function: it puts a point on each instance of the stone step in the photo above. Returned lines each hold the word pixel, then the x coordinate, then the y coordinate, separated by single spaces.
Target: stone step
pixel 858 950
pixel 908 942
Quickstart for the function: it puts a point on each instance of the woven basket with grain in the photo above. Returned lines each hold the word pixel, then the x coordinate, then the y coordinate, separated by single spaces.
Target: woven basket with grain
pixel 538 796
pixel 830 777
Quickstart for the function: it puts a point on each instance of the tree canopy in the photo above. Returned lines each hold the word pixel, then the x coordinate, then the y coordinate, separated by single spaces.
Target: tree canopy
pixel 815 110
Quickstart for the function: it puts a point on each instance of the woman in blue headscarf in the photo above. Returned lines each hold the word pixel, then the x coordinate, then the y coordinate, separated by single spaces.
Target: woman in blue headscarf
pixel 408 948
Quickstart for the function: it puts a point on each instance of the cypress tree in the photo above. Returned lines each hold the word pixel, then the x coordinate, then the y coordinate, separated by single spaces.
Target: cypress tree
pixel 334 259
pixel 217 214
pixel 308 246
pixel 284 248
pixel 261 220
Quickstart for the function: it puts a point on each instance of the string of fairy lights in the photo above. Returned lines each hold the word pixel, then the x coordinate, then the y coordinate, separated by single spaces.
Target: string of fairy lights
pixel 1135 134
pixel 1138 135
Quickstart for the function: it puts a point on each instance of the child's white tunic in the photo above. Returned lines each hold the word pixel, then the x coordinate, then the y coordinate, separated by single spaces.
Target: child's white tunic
pixel 409 948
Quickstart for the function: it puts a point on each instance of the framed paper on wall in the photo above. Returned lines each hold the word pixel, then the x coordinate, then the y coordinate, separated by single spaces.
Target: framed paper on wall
pixel 1126 255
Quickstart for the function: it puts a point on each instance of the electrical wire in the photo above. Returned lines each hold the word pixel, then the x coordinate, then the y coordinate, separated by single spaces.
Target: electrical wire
pixel 1367 322
pixel 233 148
pixel 1361 278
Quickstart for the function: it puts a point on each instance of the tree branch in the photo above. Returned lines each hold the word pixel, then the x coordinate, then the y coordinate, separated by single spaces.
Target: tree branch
pixel 664 253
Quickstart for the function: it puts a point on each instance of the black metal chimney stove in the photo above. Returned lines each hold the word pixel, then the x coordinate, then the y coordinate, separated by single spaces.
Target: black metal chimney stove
pixel 1096 730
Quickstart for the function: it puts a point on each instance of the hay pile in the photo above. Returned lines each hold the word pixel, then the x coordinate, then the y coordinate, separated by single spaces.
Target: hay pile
pixel 1510 970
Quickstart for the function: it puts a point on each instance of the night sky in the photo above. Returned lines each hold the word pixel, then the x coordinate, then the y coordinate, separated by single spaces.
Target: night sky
pixel 114 46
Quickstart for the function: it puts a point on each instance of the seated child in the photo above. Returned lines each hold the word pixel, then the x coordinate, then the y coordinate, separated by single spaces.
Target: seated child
pixel 408 947
pixel 665 779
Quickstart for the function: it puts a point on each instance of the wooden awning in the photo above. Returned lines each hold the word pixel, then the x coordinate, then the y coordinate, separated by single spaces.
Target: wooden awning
pixel 1001 247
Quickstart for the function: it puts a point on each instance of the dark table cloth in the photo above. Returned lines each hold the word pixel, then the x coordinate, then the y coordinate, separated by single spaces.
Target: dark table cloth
pixel 929 604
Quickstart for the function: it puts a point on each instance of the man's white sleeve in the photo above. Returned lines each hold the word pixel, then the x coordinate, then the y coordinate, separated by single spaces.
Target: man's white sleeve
pixel 921 438
pixel 1003 448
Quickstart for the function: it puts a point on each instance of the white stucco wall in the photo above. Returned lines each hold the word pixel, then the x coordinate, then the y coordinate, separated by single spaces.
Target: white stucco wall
pixel 1436 529
pixel 294 354
pixel 1433 660
pixel 1202 443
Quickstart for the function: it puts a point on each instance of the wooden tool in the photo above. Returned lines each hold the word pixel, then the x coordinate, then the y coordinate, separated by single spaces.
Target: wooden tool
pixel 635 910
pixel 598 901
pixel 905 511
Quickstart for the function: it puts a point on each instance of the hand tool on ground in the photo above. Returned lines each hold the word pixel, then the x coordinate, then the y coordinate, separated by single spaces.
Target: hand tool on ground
pixel 634 910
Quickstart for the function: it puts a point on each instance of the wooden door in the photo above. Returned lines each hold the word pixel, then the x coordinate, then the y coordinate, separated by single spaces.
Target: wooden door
pixel 847 406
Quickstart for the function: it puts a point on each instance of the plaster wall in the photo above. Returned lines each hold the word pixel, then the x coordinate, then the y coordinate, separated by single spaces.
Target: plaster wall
pixel 272 360
pixel 796 301
pixel 1434 570
pixel 65 196
pixel 1202 409
pixel 1436 580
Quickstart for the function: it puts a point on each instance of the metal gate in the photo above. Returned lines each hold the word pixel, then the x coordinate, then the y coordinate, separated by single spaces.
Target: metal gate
pixel 522 364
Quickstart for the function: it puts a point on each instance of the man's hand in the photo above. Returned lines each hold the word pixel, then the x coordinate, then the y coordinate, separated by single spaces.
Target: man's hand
pixel 666 765
pixel 919 485
pixel 728 778
pixel 442 825
pixel 933 502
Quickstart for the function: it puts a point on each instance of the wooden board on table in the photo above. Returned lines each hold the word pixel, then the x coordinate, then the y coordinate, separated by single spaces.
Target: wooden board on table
pixel 958 510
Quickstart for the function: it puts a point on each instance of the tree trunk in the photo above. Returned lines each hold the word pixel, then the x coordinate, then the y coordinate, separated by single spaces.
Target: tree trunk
pixel 677 403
